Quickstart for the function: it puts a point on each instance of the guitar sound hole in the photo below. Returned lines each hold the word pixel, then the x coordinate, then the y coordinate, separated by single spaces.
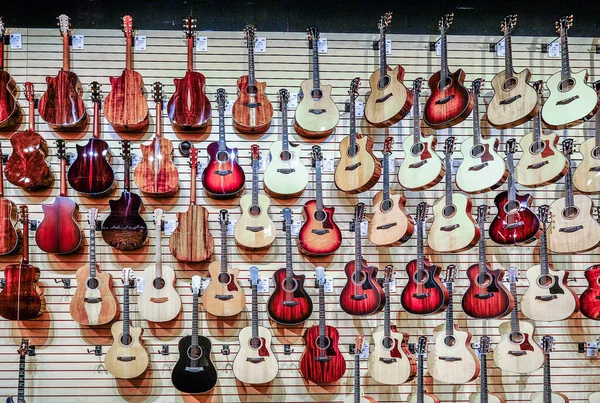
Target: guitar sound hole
pixel 387 343
pixel 352 151
pixel 477 151
pixel 383 82
pixel 566 85
pixel 449 211
pixel 255 343
pixel 316 94
pixel 285 156
pixel 545 281
pixel 158 283
pixel 254 211
pixel 194 352
pixel 516 337
pixel 445 84
pixel 222 156
pixel 289 284
pixel 323 342
pixel 386 205
pixel 570 212
pixel 126 339
pixel 450 341
pixel 417 149
pixel 512 207
pixel 421 276
pixel 537 147
pixel 509 84
pixel 320 215
pixel 358 278
pixel 484 280
pixel 596 153
pixel 224 278
pixel 251 89
pixel 93 283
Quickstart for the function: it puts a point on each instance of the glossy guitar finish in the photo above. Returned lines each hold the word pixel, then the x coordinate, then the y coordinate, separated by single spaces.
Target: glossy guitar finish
pixel 589 301
pixel 10 233
pixel 10 111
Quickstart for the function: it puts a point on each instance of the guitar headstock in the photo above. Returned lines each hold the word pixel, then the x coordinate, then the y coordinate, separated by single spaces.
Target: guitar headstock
pixel 320 275
pixel 249 33
pixel 287 217
pixel 421 347
pixel 196 284
pixel 450 275
pixel 446 21
pixel 158 216
pixel 254 275
pixel 543 213
pixel 2 28
pixel 92 217
pixel 359 341
pixel 422 211
pixel 417 85
pixel 563 24
pixel 157 92
pixel 224 218
pixel 482 213
pixel 568 146
pixel 127 23
pixel 359 214
pixel 449 145
pixel 126 150
pixel 476 86
pixel 384 21
pixel 484 345
pixel 24 215
pixel 354 88
pixel 193 156
pixel 387 145
pixel 284 97
pixel 127 277
pixel 96 90
pixel 313 33
pixel 61 149
pixel 221 96
pixel 389 273
pixel 189 26
pixel 23 347
pixel 316 155
pixel 255 152
pixel 508 23
pixel 511 146
pixel 64 25
pixel 512 274
pixel 539 87
pixel 547 344
pixel 29 91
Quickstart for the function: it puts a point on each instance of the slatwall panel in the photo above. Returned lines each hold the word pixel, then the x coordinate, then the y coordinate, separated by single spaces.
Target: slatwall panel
pixel 64 371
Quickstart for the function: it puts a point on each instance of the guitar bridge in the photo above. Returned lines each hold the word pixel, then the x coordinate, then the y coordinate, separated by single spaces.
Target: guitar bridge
pixel 386 226
pixel 513 225
pixel 353 166
pixel 595 169
pixel 317 111
pixel 510 100
pixel 255 360
pixel 444 100
pixel 94 300
pixel 517 353
pixel 478 167
pixel 569 230
pixel 160 300
pixel 194 369
pixel 358 297
pixel 320 231
pixel 222 297
pixel 449 228
pixel 223 172
pixel 290 303
pixel 128 358
pixel 252 105
pixel 387 360
pixel 421 296
pixel 567 101
pixel 255 229
pixel 450 359
pixel 323 359
pixel 383 98
pixel 484 296
pixel 286 171
pixel 537 165
pixel 545 297
pixel 418 164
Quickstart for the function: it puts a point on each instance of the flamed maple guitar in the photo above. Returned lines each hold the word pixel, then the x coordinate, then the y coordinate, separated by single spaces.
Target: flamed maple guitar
pixel 23 351
pixel 11 239
pixel 10 111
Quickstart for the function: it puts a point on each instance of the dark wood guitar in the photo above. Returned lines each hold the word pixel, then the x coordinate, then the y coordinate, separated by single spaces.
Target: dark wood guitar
pixel 10 111
pixel 289 304
pixel 21 298
pixel 62 105
pixel 23 352
pixel 10 233
pixel 189 107
pixel 91 173
pixel 450 102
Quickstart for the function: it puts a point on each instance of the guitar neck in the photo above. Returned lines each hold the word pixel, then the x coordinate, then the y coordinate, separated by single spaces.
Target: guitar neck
pixel 514 315
pixel 450 311
pixel 357 248
pixel 315 60
pixel 288 251
pixel 537 127
pixel 128 52
pixel 255 166
pixel 159 109
pixel 565 71
pixel 352 118
pixel 544 251
pixel 448 179
pixel 222 145
pixel 476 122
pixel 318 186
pixel 416 121
pixel 25 252
pixel 92 250
pixel 63 177
pixel 382 54
pixel 97 118
pixel 386 176
pixel 158 250
pixel 251 77
pixel 127 173
pixel 126 323
pixel 195 307
pixel 224 262
pixel 547 379
pixel 482 251
pixel 190 53
pixel 285 142
pixel 420 379
pixel 484 378
pixel 193 174
pixel 357 377
pixel 444 72
pixel 21 390
pixel 420 248
pixel 570 202
pixel 31 116
pixel 508 60
pixel 66 62
pixel 322 330
pixel 386 309
pixel 512 191
pixel 254 311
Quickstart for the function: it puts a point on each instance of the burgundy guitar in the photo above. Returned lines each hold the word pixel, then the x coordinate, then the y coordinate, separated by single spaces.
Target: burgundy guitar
pixel 10 111
pixel 515 222
pixel 189 107
pixel 223 177
pixel 362 295
pixel 10 233
pixel 289 304
pixel 486 297
pixel 424 294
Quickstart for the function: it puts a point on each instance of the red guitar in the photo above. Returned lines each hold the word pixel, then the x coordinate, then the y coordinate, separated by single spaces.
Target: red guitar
pixel 362 295
pixel 10 111
pixel 424 294
pixel 590 298
pixel 10 233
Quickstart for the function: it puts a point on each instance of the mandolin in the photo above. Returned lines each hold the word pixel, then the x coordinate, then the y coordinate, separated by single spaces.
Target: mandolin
pixel 484 396
pixel 589 301
pixel 124 228
pixel 421 167
pixel 391 224
pixel 514 101
pixel 127 357
pixel 322 361
pixel 10 111
pixel 125 107
pixel 358 169
pixel 191 241
pixel 59 231
pixel 316 113
pixel 255 362
pixel 319 235
pixel 289 304
pixel 486 297
pixel 189 107
pixel 23 351
pixel 587 175
pixel 452 360
pixel 252 111
pixel 91 173
pixel 62 105
pixel 391 362
pixel 541 163
pixel 356 397
pixel 157 175
pixel 421 396
pixel 21 298
pixel 450 102
pixel 11 239
pixel 255 229
pixel 547 395
pixel 424 294
pixel 362 295
pixel 482 168
pixel 194 371
pixel 94 302
pixel 571 101
pixel 389 101
pixel 223 177
pixel 27 167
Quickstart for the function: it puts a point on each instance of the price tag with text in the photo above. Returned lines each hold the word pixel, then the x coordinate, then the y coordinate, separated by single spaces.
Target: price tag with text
pixel 231 227
pixel 201 44
pixel 388 46
pixel 169 226
pixel 205 283
pixel 393 286
pixel 140 42
pixel 15 41
pixel 328 163
pixel 135 160
pixel 263 162
pixel 364 353
pixel 328 286
pixel 554 50
pixel 263 284
pixel 364 228
pixel 322 47
pixel 296 225
pixel 438 47
pixel 391 165
pixel 260 45
pixel 140 284
pixel 228 107
pixel 293 101
pixel 359 109
pixel 501 48
pixel 78 42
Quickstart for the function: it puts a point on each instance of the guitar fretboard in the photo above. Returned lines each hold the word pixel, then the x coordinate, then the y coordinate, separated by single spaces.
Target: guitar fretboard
pixel 356 376
pixel 565 71
pixel 250 45
pixel 514 315
pixel 570 202
pixel 92 250
pixel 512 191
pixel 315 61
pixel 126 323
pixel 508 61
pixel 382 53
pixel 420 373
pixel 322 329
pixel 386 176
pixel 482 252
pixel 544 251
pixel 195 306
pixel 450 310
pixel 21 390
pixel 285 143
pixel 448 178
pixel 484 378
pixel 254 311
pixel 255 166
pixel 444 72
pixel 222 145
pixel 318 185
pixel 224 262
pixel 547 380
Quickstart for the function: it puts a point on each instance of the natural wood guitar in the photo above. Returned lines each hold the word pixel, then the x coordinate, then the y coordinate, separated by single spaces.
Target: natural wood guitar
pixel 421 396
pixel 594 397
pixel 10 111
pixel 484 395
pixel 356 396
pixel 547 395
pixel 587 175
pixel 11 239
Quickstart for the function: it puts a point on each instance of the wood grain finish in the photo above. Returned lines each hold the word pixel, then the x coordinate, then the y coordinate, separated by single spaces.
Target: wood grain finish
pixel 189 107
pixel 391 362
pixel 191 241
pixel 223 186
pixel 454 232
pixel 514 101
pixel 124 228
pixel 94 302
pixel 59 232
pixel 516 356
pixel 91 173
pixel 424 294
pixel 318 237
pixel 316 118
pixel 589 301
pixel 289 304
pixel 224 296
pixel 10 111
pixel 125 107
pixel 486 297
pixel 255 365
pixel 159 302
pixel 539 168
pixel 255 217
pixel 62 105
pixel 548 297
pixel 391 224
pixel 573 231
pixel 448 104
pixel 362 295
pixel 322 363
pixel 252 111
pixel 117 359
pixel 357 171
pixel 156 175
pixel 10 233
pixel 514 225
pixel 464 368
pixel 388 105
pixel 587 175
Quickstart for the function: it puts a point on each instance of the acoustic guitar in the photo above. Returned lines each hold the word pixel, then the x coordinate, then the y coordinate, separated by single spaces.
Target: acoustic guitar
pixel 587 175
pixel 11 239
pixel 59 231
pixel 356 396
pixel 316 113
pixel 547 395
pixel 358 169
pixel 421 396
pixel 589 301
pixel 252 111
pixel 189 107
pixel 571 101
pixel 484 395
pixel 514 101
pixel 10 111
pixel 62 105
pixel 541 163
pixel 450 102
pixel 126 108
pixel 594 397
pixel 94 302
pixel 255 362
pixel 23 351
pixel 389 101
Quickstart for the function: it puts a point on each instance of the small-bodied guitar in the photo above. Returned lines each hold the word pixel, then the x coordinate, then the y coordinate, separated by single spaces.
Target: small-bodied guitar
pixel 424 294
pixel 11 240
pixel 514 101
pixel 421 396
pixel 547 395
pixel 255 362
pixel 482 168
pixel 322 361
pixel 23 352
pixel 159 301
pixel 316 113
pixel 252 111
pixel 450 102
pixel 541 162
pixel 356 397
pixel 484 396
pixel 127 357
pixel 389 101
pixel 255 229
pixel 589 301
pixel 194 371
pixel 390 362
pixel 94 302
pixel 10 111
pixel 289 304
pixel 358 169
pixel 571 101
pixel 587 175
pixel 486 297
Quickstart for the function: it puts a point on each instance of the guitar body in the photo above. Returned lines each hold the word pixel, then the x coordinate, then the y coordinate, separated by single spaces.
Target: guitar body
pixel 587 175
pixel 456 232
pixel 594 397
pixel 520 225
pixel 590 298
pixel 10 236
pixel 392 227
pixel 568 108
pixel 126 361
pixel 427 297
pixel 255 365
pixel 159 302
pixel 26 166
pixel 316 118
pixel 372 298
pixel 486 297
pixel 332 364
pixel 491 398
pixel 541 168
pixel 255 231
pixel 191 241
pixel 62 105
pixel 391 366
pixel 10 112
pixel 157 179
pixel 552 301
pixel 223 177
pixel 189 107
pixel 125 107
pixel 204 377
pixel 124 228
pixel 224 296
pixel 252 111
pixel 580 233
pixel 422 167
pixel 482 169
pixel 93 306
pixel 21 298
pixel 59 232
pixel 285 176
pixel 427 398
pixel 388 105
pixel 318 237
pixel 518 357
pixel 448 371
pixel 91 172
pixel 514 101
pixel 290 308
pixel 360 172
pixel 449 104
pixel 538 397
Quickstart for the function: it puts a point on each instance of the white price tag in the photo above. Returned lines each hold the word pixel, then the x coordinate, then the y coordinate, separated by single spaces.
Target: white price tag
pixel 364 228
pixel 328 287
pixel 388 46
pixel 364 353
pixel 322 47
pixel 205 283
pixel 391 165
pixel 293 101
pixel 260 45
pixel 554 50
pixel 140 283
pixel 501 48
pixel 438 47
pixel 263 162
pixel 228 107
pixel 169 227
pixel 77 42
pixel 296 225
pixel 140 42
pixel 231 227
pixel 328 164
pixel 15 41
pixel 135 160
pixel 424 228
pixel 201 44
pixel 359 109
pixel 263 285
pixel 393 286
